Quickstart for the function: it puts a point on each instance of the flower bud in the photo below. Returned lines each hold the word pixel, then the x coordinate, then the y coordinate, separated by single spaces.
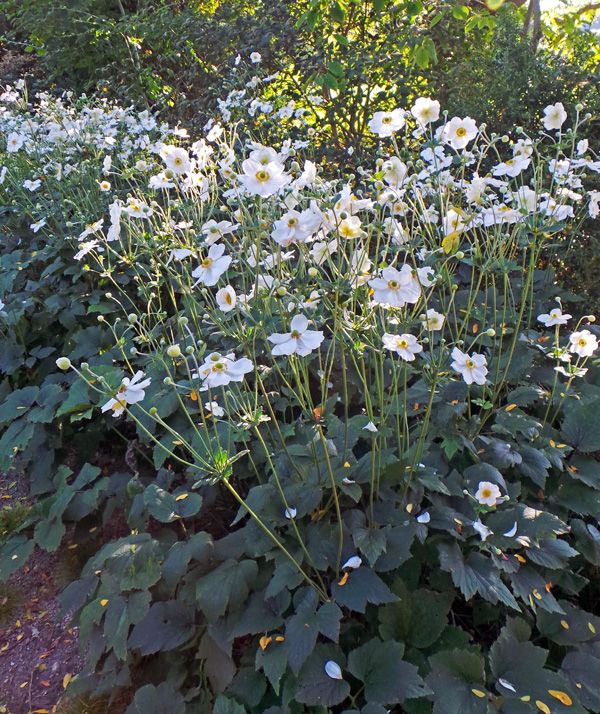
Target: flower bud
pixel 491 332
pixel 84 366
pixel 174 351
pixel 133 351
pixel 591 318
pixel 313 272
pixel 153 411
pixel 63 363
pixel 282 290
pixel 168 382
pixel 459 255
pixel 100 318
pixel 189 350
pixel 132 319
pixel 183 321
pixel 579 107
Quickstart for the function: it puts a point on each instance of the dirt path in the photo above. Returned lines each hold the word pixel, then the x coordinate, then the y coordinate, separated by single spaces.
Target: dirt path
pixel 39 651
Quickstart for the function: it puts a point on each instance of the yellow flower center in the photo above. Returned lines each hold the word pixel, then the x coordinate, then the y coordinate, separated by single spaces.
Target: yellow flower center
pixel 486 493
pixel 461 131
pixel 206 263
pixel 393 284
pixel 582 342
pixel 403 344
pixel 470 364
pixel 262 176
pixel 295 334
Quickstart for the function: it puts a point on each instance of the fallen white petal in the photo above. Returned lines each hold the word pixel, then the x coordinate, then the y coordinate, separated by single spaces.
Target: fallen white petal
pixel 354 562
pixel 512 532
pixel 423 517
pixel 333 670
pixel 290 513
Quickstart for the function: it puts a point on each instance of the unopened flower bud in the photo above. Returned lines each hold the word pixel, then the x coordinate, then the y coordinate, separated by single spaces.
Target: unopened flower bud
pixel 153 411
pixel 183 321
pixel 491 332
pixel 63 363
pixel 174 351
pixel 132 319
pixel 579 107
pixel 313 272
pixel 168 382
pixel 591 318
pixel 189 350
pixel 282 290
pixel 133 351
pixel 84 366
pixel 100 318
pixel 459 255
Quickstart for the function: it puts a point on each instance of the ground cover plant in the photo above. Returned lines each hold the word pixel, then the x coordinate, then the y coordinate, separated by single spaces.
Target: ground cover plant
pixel 360 411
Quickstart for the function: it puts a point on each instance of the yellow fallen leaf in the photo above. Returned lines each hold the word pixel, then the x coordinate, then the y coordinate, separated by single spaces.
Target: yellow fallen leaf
pixel 542 707
pixel 478 693
pixel 279 638
pixel 564 624
pixel 182 496
pixel 562 697
pixel 343 580
pixel 66 679
pixel 591 628
pixel 264 642
pixel 510 407
pixel 104 602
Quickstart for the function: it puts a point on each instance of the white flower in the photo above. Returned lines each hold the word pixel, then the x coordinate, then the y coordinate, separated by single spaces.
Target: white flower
pixel 433 320
pixel 394 172
pixel 405 346
pixel 488 494
pixel 582 146
pixel 594 207
pixel 32 185
pixel 453 222
pixel 396 288
pixel 35 227
pixel 137 209
pixel 104 186
pixel 387 123
pixel 583 343
pixel 226 299
pixel 353 562
pixel 263 179
pixel 179 254
pixel 300 340
pixel 370 427
pixel 554 116
pixel 176 159
pixel 484 531
pixel 554 317
pixel 114 230
pixel 321 250
pixel 512 167
pixel 219 370
pixel 213 266
pixel 14 142
pixel 85 248
pixel 459 132
pixel 333 670
pixel 296 227
pixel 214 231
pixel 255 57
pixel 350 227
pixel 215 409
pixel 426 110
pixel 131 391
pixel 472 368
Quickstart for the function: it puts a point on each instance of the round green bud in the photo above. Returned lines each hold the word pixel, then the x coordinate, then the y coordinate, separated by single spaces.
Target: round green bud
pixel 491 332
pixel 174 351
pixel 132 319
pixel 84 366
pixel 459 255
pixel 313 272
pixel 100 318
pixel 63 363
pixel 153 411
pixel 168 382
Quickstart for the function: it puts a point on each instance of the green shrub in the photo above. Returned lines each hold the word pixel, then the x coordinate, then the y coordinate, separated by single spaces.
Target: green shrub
pixel 389 504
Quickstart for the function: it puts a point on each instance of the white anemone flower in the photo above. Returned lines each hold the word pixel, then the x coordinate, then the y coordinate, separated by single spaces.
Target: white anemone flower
pixel 433 320
pixel 219 370
pixel 554 116
pixel 263 179
pixel 488 494
pixel 176 159
pixel 472 368
pixel 459 132
pixel 426 110
pixel 131 391
pixel 583 343
pixel 387 123
pixel 213 266
pixel 300 340
pixel 396 288
pixel 14 142
pixel 554 317
pixel 215 409
pixel 405 345
pixel 226 299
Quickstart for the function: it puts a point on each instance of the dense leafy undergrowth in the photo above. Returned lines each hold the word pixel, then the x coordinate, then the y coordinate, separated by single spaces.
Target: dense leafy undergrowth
pixel 358 422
